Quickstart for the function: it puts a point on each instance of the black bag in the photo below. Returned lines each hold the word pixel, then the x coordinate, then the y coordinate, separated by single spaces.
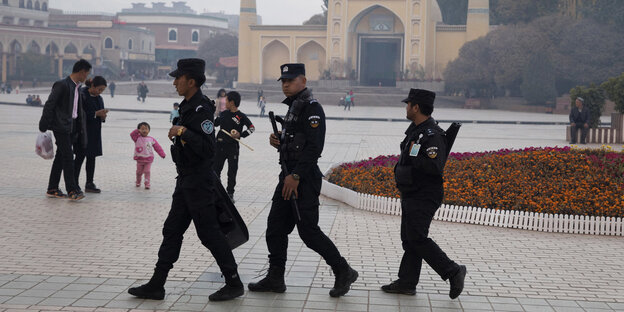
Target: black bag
pixel 230 221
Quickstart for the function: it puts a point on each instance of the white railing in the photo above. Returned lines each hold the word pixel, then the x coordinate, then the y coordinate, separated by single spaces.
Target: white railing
pixel 544 222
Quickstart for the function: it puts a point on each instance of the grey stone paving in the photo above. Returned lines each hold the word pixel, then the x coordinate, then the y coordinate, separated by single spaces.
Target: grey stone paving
pixel 59 255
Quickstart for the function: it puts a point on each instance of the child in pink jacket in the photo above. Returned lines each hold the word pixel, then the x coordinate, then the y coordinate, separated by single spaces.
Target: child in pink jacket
pixel 144 147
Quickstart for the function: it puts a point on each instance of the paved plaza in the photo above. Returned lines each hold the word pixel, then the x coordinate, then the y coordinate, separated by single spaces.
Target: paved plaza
pixel 83 256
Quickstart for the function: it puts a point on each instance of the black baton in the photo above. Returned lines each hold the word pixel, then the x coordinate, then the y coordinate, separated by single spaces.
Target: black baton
pixel 293 198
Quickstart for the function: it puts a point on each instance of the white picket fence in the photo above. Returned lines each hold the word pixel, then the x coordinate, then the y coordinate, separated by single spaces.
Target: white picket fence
pixel 532 221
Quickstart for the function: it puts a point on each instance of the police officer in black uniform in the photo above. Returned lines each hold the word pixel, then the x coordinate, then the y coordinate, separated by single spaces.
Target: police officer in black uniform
pixel 227 147
pixel 419 178
pixel 193 199
pixel 301 148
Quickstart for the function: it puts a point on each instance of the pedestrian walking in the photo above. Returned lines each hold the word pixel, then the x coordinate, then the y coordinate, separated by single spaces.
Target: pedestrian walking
pixel 300 147
pixel 112 87
pixel 419 178
pixel 194 195
pixel 232 120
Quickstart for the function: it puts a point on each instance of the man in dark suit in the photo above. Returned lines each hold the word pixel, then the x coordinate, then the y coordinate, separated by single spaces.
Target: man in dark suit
pixel 579 120
pixel 63 114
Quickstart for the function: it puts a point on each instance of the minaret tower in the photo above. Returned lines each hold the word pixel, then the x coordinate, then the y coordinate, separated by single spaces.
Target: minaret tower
pixel 478 22
pixel 248 17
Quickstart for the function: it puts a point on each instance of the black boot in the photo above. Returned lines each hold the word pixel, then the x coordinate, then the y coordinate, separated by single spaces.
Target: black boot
pixel 91 188
pixel 274 281
pixel 457 282
pixel 233 288
pixel 397 287
pixel 154 289
pixel 345 276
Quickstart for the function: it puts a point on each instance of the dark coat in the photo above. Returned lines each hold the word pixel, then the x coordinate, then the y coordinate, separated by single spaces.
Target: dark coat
pixel 57 111
pixel 94 123
pixel 579 117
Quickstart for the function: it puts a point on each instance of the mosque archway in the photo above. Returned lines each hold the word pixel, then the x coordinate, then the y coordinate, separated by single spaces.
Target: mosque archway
pixel 312 54
pixel 274 55
pixel 375 46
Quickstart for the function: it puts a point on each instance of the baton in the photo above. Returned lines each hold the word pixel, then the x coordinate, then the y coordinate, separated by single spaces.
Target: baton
pixel 239 141
pixel 293 198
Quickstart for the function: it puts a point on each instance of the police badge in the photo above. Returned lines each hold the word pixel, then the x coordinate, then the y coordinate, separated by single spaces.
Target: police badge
pixel 432 152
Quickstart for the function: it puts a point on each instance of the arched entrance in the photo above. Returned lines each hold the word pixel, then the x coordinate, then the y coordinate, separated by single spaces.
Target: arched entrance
pixel 15 57
pixel 273 56
pixel 376 43
pixel 312 54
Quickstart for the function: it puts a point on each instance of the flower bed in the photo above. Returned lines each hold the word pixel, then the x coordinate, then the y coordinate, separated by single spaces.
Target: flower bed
pixel 544 180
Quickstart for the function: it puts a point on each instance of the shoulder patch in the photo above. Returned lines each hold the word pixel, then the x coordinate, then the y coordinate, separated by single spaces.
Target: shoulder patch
pixel 314 121
pixel 430 132
pixel 207 126
pixel 198 108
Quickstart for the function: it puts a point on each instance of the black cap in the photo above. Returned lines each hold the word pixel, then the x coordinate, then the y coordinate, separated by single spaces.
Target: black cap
pixel 189 66
pixel 420 97
pixel 291 70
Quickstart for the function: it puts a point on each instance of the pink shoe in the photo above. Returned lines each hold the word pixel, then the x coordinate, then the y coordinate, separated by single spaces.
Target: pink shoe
pixel 147 187
pixel 138 185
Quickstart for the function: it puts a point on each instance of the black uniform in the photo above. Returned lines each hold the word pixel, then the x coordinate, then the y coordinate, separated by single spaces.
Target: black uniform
pixel 304 139
pixel 227 147
pixel 419 178
pixel 193 198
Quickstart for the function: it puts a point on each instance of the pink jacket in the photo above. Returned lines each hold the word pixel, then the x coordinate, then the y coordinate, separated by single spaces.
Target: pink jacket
pixel 144 147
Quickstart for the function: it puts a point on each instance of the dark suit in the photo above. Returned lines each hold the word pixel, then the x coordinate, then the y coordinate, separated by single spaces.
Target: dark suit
pixel 579 118
pixel 57 116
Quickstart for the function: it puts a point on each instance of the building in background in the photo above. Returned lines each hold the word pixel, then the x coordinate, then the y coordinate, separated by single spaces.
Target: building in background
pixel 374 43
pixel 126 50
pixel 178 30
pixel 29 49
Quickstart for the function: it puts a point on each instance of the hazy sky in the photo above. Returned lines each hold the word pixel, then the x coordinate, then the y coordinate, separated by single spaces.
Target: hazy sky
pixel 273 12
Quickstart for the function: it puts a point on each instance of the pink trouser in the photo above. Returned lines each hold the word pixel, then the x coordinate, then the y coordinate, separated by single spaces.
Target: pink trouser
pixel 143 168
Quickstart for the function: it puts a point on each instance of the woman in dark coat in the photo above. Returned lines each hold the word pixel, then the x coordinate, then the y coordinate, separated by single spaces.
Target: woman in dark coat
pixel 95 114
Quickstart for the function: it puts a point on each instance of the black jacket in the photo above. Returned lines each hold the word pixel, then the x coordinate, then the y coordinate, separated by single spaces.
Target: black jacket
pixel 419 171
pixel 305 135
pixel 579 117
pixel 57 111
pixel 193 152
pixel 228 121
pixel 91 104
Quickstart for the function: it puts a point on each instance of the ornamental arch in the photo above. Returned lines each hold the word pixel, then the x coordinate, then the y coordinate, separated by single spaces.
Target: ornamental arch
pixel 274 55
pixel 375 46
pixel 313 55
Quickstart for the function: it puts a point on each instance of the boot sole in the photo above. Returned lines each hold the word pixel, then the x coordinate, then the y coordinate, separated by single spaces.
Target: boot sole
pixel 400 292
pixel 344 292
pixel 142 296
pixel 275 290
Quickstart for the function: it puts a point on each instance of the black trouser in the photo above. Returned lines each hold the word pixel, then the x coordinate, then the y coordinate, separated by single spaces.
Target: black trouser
pixel 89 167
pixel 415 221
pixel 282 220
pixel 196 204
pixel 63 162
pixel 574 132
pixel 229 152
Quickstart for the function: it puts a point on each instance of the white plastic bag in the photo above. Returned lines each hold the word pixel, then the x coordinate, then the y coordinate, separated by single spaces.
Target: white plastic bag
pixel 44 146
